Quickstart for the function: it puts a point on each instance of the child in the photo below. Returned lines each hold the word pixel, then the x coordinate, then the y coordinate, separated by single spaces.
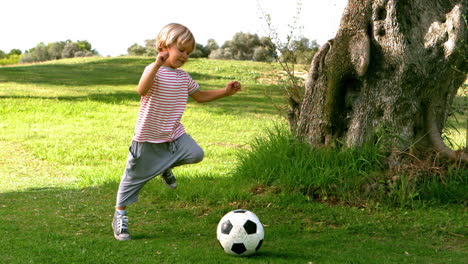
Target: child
pixel 160 142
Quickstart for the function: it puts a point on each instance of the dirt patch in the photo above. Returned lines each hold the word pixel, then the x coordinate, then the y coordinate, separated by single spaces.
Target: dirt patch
pixel 275 77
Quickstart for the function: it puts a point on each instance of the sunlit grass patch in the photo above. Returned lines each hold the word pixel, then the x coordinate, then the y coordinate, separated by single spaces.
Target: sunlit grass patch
pixel 65 128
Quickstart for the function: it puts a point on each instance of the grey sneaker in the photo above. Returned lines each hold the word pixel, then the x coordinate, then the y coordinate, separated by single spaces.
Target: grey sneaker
pixel 120 226
pixel 169 179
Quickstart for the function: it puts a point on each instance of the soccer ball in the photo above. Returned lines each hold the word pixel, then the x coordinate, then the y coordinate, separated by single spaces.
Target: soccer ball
pixel 240 233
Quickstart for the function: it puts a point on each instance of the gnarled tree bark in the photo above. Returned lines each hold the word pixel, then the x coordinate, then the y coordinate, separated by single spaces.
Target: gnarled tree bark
pixel 394 65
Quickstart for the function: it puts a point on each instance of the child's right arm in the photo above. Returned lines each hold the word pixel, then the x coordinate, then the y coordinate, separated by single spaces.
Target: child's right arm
pixel 146 80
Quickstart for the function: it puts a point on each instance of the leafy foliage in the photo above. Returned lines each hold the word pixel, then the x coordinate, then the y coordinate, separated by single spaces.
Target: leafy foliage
pixel 136 50
pixel 58 50
pixel 243 46
pixel 301 51
pixel 12 57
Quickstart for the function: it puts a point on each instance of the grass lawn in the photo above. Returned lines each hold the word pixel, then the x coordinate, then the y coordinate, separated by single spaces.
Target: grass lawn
pixel 65 128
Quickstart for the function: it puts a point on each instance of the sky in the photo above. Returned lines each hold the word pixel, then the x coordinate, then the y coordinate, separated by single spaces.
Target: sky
pixel 111 26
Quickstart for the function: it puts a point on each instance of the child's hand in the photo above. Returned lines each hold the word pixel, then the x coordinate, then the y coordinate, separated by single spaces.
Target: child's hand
pixel 233 87
pixel 161 58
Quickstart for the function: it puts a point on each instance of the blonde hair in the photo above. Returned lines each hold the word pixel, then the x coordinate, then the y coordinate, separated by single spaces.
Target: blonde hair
pixel 174 34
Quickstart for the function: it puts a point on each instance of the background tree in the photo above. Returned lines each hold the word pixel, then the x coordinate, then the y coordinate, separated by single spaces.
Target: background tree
pixel 199 52
pixel 150 45
pixel 14 52
pixel 246 46
pixel 136 50
pixel 86 49
pixel 300 51
pixel 266 51
pixel 224 53
pixel 12 57
pixel 84 45
pixel 55 50
pixel 263 54
pixel 38 53
pixel 70 49
pixel 305 50
pixel 243 45
pixel 211 45
pixel 393 66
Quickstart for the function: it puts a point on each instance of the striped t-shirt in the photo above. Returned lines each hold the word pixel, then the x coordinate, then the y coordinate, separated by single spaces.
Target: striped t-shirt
pixel 162 107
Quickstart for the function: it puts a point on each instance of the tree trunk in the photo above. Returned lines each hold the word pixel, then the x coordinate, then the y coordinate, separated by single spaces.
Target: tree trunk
pixel 393 67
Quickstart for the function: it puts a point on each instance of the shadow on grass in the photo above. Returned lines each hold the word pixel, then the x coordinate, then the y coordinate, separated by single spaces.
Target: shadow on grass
pixel 111 98
pixel 126 71
pixel 283 255
pixel 236 105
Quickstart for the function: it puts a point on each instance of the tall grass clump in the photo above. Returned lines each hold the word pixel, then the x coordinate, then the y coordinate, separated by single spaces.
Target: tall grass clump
pixel 328 174
pixel 427 184
pixel 354 176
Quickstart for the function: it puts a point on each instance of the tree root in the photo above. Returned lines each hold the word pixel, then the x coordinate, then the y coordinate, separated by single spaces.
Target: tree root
pixel 438 142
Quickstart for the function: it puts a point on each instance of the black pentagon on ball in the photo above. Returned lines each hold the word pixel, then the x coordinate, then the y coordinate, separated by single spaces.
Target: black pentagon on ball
pixel 250 227
pixel 226 227
pixel 238 248
pixel 239 211
pixel 259 245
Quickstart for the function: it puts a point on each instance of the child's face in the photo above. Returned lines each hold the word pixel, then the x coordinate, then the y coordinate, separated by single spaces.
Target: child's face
pixel 178 55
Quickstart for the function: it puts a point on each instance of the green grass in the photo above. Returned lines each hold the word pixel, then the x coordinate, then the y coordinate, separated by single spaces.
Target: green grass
pixel 280 162
pixel 65 127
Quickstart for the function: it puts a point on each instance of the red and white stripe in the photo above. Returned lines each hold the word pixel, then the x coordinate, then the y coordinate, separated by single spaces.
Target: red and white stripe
pixel 163 106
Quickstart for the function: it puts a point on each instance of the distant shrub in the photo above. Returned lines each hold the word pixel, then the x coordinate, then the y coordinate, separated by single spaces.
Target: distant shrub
pixel 150 50
pixel 263 54
pixel 57 50
pixel 82 53
pixel 40 52
pixel 12 59
pixel 69 50
pixel 300 51
pixel 136 50
pixel 15 52
pixel 150 46
pixel 211 45
pixel 27 57
pixel 199 52
pixel 222 54
pixel 244 46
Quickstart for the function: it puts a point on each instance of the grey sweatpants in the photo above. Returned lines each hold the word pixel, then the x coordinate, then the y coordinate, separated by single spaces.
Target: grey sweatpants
pixel 147 160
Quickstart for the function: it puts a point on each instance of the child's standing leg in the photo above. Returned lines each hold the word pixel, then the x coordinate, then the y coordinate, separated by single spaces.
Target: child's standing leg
pixel 145 161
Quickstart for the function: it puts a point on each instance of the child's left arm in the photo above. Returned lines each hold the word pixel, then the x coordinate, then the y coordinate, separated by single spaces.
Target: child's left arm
pixel 211 95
